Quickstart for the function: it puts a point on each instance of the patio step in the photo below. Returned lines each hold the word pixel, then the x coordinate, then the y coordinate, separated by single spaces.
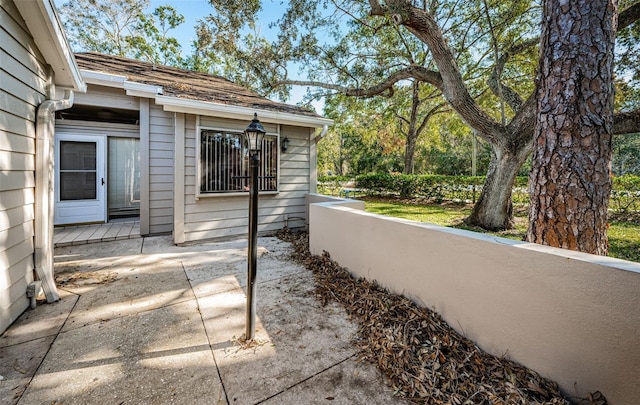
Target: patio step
pixel 95 233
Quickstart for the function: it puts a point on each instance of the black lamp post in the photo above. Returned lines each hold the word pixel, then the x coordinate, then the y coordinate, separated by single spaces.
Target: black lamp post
pixel 254 135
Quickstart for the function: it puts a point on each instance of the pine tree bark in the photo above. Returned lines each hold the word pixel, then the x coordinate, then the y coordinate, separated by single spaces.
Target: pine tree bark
pixel 570 179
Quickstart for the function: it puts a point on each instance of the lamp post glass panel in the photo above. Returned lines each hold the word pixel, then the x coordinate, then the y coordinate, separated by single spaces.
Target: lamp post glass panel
pixel 254 135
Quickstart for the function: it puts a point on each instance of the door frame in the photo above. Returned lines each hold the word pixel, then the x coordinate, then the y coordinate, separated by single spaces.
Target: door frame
pixel 95 211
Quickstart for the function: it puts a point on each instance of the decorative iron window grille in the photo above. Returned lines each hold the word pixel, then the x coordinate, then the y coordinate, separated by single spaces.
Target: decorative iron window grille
pixel 224 163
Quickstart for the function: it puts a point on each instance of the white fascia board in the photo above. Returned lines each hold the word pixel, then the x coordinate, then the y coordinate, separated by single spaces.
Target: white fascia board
pixel 120 82
pixel 48 34
pixel 142 90
pixel 208 108
pixel 103 79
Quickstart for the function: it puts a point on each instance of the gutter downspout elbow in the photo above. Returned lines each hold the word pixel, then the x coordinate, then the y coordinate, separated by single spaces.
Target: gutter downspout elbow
pixel 44 198
pixel 325 128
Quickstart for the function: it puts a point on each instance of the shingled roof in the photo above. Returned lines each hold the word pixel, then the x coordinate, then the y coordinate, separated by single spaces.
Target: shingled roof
pixel 184 84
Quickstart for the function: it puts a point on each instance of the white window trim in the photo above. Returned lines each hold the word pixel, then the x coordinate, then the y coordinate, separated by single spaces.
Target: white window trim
pixel 199 195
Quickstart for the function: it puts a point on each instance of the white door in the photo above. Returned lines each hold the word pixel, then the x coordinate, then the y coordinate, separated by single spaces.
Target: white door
pixel 80 182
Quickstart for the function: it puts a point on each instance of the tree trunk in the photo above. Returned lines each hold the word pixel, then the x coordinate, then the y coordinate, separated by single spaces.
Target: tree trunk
pixel 409 153
pixel 571 175
pixel 494 209
pixel 412 132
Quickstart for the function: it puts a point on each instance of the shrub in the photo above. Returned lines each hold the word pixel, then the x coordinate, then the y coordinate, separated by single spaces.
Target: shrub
pixel 436 187
pixel 625 195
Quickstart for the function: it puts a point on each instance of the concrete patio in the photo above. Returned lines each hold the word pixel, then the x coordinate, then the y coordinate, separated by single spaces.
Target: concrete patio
pixel 144 322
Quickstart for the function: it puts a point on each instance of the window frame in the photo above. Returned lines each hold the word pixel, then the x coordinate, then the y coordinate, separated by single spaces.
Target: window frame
pixel 198 174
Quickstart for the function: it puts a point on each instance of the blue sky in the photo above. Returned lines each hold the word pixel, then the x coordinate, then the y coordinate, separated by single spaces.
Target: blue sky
pixel 193 10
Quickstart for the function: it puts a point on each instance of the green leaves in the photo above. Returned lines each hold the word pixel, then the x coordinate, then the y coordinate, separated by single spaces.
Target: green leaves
pixel 121 27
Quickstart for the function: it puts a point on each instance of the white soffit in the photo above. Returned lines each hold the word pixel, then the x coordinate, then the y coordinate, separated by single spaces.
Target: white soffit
pixel 208 108
pixel 48 34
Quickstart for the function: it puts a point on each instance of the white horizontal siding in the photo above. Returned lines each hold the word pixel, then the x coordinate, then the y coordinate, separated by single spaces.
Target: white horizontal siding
pixel 17 161
pixel 17 143
pixel 161 151
pixel 226 216
pixel 24 79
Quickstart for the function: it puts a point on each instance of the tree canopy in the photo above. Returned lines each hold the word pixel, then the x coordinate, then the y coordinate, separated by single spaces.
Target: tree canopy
pixel 123 28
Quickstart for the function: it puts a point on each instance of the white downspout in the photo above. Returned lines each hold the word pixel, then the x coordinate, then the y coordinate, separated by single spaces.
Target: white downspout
pixel 325 128
pixel 44 203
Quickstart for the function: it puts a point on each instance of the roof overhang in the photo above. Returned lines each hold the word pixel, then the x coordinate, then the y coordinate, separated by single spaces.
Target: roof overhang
pixel 121 82
pixel 45 27
pixel 198 107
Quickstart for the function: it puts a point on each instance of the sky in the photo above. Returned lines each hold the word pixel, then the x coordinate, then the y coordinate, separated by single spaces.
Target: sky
pixel 193 10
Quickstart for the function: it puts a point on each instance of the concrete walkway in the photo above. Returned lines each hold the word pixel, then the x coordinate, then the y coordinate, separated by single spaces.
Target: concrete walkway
pixel 144 322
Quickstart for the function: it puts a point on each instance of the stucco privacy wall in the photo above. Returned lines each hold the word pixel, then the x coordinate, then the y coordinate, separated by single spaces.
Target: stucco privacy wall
pixel 25 80
pixel 219 216
pixel 570 316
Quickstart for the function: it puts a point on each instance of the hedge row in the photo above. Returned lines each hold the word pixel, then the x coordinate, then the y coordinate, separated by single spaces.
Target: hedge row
pixel 624 197
pixel 436 187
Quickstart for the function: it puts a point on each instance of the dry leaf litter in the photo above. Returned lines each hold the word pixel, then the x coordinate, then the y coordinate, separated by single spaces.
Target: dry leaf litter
pixel 425 360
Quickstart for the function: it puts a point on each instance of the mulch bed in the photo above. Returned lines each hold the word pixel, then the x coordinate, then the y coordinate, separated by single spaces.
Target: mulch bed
pixel 425 360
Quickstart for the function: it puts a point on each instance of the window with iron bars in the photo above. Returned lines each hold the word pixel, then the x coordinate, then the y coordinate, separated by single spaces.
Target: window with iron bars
pixel 224 163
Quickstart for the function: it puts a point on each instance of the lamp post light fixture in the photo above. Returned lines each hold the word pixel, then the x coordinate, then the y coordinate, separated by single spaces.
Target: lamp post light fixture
pixel 254 135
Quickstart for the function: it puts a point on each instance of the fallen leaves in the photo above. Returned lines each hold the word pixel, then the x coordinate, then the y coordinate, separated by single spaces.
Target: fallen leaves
pixel 425 360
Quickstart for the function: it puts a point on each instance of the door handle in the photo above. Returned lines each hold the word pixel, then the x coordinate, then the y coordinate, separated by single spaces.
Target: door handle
pixel 102 181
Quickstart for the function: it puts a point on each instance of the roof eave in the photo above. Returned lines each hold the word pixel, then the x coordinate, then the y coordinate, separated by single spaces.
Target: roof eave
pixel 120 82
pixel 198 107
pixel 45 27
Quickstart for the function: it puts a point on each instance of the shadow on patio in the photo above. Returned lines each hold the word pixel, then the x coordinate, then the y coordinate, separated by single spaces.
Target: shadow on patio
pixel 143 321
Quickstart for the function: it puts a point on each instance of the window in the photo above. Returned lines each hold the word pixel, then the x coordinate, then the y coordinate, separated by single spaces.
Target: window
pixel 224 163
pixel 78 169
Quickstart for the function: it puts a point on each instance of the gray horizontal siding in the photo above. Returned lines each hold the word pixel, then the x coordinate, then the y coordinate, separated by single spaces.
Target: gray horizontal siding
pixel 97 128
pixel 161 151
pixel 226 216
pixel 233 125
pixel 107 97
pixel 24 79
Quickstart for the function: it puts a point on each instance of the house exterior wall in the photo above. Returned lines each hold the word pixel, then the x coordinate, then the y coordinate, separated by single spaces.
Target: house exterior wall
pixel 97 128
pixel 157 147
pixel 570 316
pixel 25 82
pixel 161 154
pixel 221 216
pixel 169 164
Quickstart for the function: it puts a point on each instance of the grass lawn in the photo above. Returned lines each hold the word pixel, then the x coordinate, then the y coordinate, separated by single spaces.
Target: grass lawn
pixel 624 237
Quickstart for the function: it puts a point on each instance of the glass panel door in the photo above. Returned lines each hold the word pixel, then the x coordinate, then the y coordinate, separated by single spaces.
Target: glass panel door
pixel 124 178
pixel 80 179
